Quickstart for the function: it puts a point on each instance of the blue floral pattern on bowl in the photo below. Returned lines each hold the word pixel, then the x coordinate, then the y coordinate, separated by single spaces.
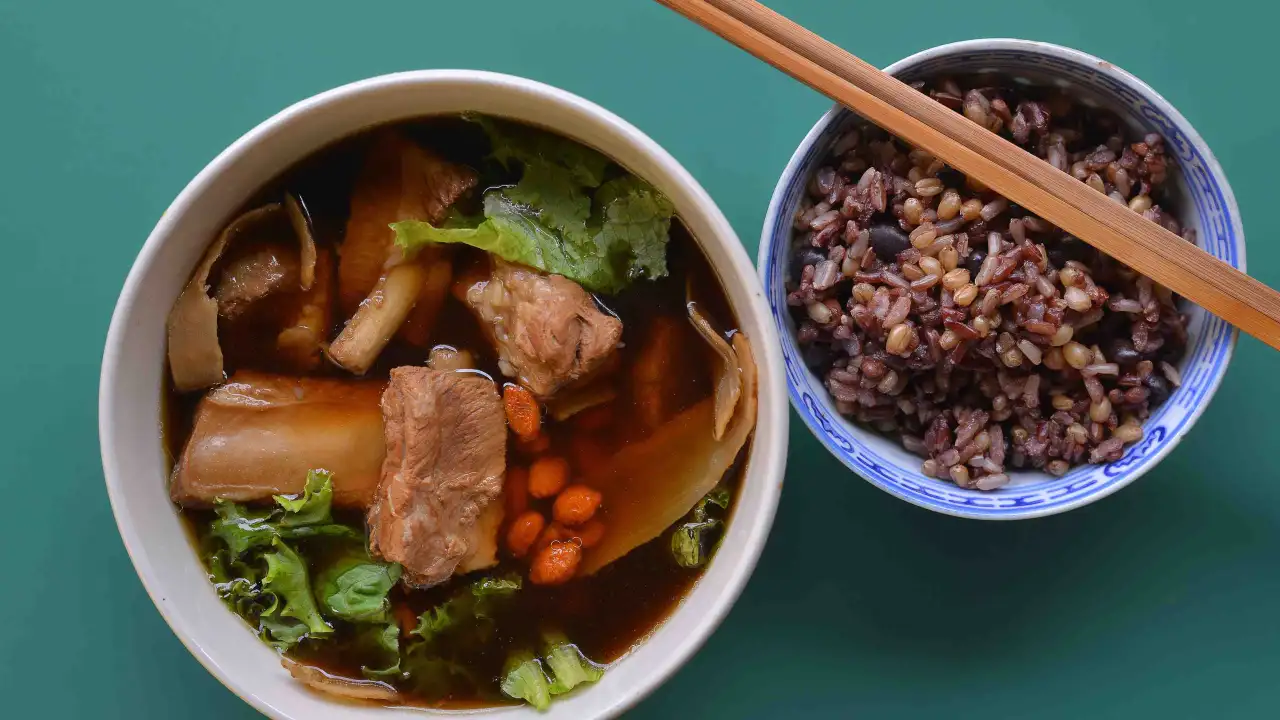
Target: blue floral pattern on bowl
pixel 1203 200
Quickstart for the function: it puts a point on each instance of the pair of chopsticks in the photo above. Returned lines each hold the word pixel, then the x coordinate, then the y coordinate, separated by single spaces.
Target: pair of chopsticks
pixel 995 162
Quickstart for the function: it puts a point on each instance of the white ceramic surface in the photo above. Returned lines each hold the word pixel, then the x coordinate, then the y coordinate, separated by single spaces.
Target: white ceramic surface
pixel 1202 199
pixel 133 363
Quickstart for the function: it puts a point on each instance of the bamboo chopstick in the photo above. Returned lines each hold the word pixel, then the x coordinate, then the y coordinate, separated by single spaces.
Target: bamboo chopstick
pixel 995 162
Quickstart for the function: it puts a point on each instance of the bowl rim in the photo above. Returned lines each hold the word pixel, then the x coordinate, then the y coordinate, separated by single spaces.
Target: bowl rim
pixel 793 168
pixel 767 450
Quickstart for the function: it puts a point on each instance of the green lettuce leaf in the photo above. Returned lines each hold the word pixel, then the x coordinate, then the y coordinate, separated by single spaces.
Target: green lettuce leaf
pixel 719 496
pixel 437 620
pixel 562 217
pixel 496 587
pixel 470 609
pixel 287 580
pixel 524 679
pixel 560 203
pixel 355 588
pixel 689 540
pixel 634 222
pixel 688 543
pixel 312 507
pixel 237 584
pixel 329 530
pixel 513 233
pixel 513 141
pixel 282 633
pixel 431 676
pixel 384 641
pixel 568 665
pixel 240 528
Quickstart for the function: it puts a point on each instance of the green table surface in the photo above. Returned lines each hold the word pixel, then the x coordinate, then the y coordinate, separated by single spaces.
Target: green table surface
pixel 1161 600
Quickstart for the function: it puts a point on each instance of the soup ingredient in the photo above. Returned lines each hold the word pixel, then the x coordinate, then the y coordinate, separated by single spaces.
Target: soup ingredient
pixel 562 217
pixel 523 413
pixel 446 453
pixel 280 601
pixel 525 677
pixel 468 614
pixel 655 378
pixel 589 534
pixel 302 340
pixel 569 667
pixel 195 358
pixel 516 490
pixel 355 588
pixel 259 434
pixel 555 564
pixel 306 515
pixel 575 505
pixel 252 276
pixel 547 476
pixel 653 483
pixel 993 340
pixel 382 641
pixel 399 180
pixel 729 382
pixel 321 681
pixel 524 531
pixel 630 241
pixel 513 143
pixel 483 552
pixel 689 541
pixel 578 398
pixel 447 357
pixel 378 318
pixel 287 580
pixel 301 223
pixel 269 264
pixel 547 330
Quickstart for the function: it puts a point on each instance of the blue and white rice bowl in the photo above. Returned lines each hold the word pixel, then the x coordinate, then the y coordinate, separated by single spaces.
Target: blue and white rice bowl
pixel 1203 201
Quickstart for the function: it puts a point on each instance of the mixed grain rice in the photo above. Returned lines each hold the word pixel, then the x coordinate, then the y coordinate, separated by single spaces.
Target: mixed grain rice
pixel 981 335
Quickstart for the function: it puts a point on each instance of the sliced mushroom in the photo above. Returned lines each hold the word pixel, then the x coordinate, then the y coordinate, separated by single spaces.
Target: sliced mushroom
pixel 195 358
pixel 728 379
pixel 655 482
pixel 299 218
pixel 349 688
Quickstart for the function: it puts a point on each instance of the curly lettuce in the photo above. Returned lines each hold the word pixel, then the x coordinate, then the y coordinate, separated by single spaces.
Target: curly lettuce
pixel 561 668
pixel 690 539
pixel 562 216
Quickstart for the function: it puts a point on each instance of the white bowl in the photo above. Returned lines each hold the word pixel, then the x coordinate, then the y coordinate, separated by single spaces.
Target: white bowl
pixel 1203 200
pixel 133 367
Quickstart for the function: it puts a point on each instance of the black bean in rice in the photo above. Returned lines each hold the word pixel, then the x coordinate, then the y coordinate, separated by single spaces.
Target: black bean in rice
pixel 984 337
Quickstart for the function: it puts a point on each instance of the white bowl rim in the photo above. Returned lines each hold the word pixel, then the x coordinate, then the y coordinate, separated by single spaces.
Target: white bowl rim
pixel 1102 66
pixel 767 450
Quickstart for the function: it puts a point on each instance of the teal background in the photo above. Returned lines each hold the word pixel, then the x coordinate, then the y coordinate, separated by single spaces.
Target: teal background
pixel 1159 601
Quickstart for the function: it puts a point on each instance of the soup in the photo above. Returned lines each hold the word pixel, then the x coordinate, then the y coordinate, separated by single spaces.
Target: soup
pixel 457 414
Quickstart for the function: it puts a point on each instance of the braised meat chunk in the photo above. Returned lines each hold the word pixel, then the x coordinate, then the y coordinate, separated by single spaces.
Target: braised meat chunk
pixel 446 456
pixel 258 435
pixel 548 331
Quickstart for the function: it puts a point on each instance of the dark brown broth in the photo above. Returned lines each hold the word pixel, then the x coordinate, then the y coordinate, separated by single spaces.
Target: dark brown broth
pixel 606 614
